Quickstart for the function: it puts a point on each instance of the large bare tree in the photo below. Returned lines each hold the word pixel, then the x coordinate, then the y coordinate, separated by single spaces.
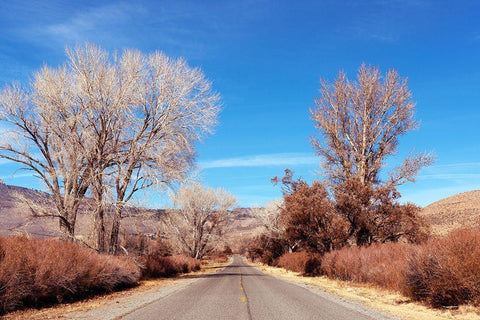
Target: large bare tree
pixel 360 123
pixel 111 124
pixel 198 221
pixel 174 107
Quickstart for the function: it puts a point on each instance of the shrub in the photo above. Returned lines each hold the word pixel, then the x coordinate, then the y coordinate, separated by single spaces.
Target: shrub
pixel 157 266
pixel 379 264
pixel 446 271
pixel 303 262
pixel 265 249
pixel 36 272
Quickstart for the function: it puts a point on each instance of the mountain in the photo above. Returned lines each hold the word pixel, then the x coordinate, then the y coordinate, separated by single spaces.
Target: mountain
pixel 447 214
pixel 17 218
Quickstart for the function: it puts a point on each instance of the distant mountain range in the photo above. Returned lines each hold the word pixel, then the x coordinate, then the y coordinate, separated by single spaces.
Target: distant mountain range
pixel 444 215
pixel 17 218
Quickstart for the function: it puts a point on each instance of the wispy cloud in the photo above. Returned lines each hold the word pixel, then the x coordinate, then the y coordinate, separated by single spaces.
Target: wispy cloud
pixel 262 160
pixel 450 176
pixel 93 22
pixel 16 176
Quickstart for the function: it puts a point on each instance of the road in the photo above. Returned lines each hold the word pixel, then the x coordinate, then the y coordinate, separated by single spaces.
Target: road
pixel 243 292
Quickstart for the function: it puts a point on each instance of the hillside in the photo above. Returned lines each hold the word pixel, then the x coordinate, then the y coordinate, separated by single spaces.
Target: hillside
pixel 17 218
pixel 447 214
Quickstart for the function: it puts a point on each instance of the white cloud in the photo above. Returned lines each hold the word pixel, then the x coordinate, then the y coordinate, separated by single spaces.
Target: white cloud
pixel 262 160
pixel 16 176
pixel 92 21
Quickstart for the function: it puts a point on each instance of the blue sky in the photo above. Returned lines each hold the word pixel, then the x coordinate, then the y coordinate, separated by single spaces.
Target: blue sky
pixel 265 58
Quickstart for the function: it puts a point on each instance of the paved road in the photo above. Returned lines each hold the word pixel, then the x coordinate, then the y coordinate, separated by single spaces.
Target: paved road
pixel 243 292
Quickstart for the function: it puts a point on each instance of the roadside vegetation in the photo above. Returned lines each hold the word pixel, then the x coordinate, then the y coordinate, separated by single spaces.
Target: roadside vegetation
pixel 351 226
pixel 131 122
pixel 96 131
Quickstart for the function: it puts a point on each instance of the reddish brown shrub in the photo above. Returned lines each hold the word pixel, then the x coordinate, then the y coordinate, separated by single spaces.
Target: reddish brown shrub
pixel 446 271
pixel 303 262
pixel 158 266
pixel 186 264
pixel 379 264
pixel 42 272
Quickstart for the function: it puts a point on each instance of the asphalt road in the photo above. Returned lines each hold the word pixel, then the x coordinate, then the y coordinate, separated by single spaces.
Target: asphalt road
pixel 243 292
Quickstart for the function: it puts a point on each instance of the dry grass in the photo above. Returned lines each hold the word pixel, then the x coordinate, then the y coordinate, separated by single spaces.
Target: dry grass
pixel 62 311
pixel 156 266
pixel 379 264
pixel 302 262
pixel 457 211
pixel 36 273
pixel 376 298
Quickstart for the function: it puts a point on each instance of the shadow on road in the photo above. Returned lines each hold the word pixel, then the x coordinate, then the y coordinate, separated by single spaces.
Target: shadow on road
pixel 230 270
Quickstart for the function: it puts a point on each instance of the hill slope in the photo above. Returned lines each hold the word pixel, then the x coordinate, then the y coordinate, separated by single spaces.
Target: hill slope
pixel 447 214
pixel 16 218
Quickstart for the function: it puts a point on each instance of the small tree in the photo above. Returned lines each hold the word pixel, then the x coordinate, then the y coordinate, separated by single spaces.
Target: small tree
pixel 360 123
pixel 311 221
pixel 199 219
pixel 270 217
pixel 309 217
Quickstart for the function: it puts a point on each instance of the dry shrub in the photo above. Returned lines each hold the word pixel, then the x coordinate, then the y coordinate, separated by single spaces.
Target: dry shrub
pixel 218 256
pixel 158 266
pixel 379 264
pixel 186 264
pixel 446 271
pixel 36 272
pixel 303 262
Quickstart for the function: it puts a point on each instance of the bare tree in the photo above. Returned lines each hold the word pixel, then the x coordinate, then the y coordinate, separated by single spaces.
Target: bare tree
pixel 110 124
pixel 270 217
pixel 174 108
pixel 42 135
pixel 360 123
pixel 200 218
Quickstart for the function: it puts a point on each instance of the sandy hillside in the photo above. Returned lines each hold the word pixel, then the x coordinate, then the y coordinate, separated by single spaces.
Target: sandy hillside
pixel 445 215
pixel 17 218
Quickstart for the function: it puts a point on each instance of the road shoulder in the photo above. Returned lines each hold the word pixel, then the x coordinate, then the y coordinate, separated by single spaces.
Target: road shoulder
pixel 388 302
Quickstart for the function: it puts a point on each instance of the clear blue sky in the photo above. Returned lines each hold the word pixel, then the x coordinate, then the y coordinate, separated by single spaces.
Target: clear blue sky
pixel 265 58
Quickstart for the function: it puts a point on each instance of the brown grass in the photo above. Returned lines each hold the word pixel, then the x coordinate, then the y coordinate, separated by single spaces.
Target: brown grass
pixel 379 264
pixel 158 266
pixel 443 272
pixel 35 273
pixel 303 262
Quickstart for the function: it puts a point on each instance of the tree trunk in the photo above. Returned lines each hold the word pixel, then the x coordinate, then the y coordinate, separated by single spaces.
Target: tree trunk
pixel 117 217
pixel 66 229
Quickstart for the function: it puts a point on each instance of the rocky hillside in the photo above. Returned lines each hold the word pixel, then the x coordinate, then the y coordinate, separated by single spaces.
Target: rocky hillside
pixel 445 215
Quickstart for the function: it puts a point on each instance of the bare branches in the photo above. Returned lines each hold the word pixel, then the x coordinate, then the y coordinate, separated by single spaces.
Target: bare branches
pixel 199 219
pixel 360 123
pixel 101 122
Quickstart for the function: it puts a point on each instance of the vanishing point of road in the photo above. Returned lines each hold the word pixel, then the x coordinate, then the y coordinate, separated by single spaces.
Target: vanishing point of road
pixel 243 292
